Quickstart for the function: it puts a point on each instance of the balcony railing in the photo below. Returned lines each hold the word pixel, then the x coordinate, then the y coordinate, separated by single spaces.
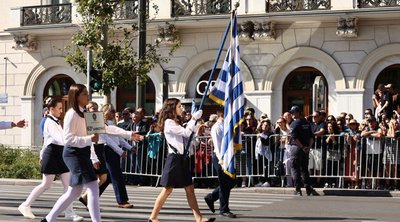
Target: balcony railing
pixel 200 7
pixel 127 10
pixel 296 5
pixel 378 3
pixel 46 14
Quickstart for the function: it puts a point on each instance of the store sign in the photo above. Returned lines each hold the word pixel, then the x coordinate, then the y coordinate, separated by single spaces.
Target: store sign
pixel 202 85
pixel 4 98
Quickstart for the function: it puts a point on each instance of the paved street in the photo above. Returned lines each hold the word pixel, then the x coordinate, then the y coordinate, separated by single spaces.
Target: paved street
pixel 249 205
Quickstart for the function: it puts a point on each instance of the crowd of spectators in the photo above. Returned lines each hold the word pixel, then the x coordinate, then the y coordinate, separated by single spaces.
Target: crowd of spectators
pixel 343 147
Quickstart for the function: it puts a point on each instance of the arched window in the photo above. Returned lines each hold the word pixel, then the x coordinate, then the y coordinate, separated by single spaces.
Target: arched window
pixel 390 74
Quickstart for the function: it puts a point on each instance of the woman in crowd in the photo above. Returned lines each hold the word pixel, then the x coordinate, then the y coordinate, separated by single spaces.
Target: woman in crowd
pixel 176 171
pixel 51 160
pixel 352 153
pixel 284 134
pixel 333 152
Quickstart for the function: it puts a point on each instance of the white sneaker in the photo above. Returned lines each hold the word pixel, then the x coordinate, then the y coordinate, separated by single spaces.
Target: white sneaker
pixel 26 211
pixel 74 217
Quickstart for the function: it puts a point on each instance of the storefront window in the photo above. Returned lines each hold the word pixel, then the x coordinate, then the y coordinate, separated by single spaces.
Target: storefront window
pixel 126 97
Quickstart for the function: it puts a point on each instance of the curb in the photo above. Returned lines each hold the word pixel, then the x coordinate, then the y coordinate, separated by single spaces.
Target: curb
pixel 323 191
pixel 269 190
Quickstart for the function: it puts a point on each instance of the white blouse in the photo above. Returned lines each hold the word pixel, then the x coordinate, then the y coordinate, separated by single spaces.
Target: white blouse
pixel 75 134
pixel 115 141
pixel 174 134
pixel 52 132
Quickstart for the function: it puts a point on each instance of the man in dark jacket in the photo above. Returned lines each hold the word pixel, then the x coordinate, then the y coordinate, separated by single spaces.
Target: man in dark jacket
pixel 301 139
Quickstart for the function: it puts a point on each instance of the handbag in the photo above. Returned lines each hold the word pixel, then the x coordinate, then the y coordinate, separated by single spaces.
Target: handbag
pixel 333 155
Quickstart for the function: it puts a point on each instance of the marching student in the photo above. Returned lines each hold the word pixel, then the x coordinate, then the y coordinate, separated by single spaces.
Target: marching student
pixel 77 153
pixel 51 161
pixel 101 171
pixel 113 155
pixel 106 142
pixel 226 183
pixel 176 173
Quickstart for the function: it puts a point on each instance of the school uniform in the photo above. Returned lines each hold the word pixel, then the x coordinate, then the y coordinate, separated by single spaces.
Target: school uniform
pixel 226 183
pixel 77 150
pixel 53 146
pixel 113 153
pixel 176 171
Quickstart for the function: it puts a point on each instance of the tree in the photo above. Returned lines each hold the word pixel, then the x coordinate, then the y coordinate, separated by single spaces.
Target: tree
pixel 113 46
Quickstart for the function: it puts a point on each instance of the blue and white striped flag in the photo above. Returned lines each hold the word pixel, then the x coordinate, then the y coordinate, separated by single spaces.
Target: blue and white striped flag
pixel 228 92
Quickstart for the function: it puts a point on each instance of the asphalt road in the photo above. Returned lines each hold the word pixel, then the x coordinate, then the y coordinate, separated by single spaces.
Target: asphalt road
pixel 248 204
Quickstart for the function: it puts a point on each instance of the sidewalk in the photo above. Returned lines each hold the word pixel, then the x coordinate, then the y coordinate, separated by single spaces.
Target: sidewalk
pixel 270 190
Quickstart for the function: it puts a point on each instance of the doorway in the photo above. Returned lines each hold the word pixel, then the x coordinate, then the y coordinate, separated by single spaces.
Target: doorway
pixel 305 87
pixel 58 87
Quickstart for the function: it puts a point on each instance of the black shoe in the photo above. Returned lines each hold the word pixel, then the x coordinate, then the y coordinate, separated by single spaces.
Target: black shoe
pixel 312 192
pixel 43 220
pixel 298 193
pixel 209 203
pixel 149 220
pixel 228 214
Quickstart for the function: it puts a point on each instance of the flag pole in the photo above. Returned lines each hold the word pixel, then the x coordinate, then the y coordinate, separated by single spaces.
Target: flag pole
pixel 210 78
pixel 217 59
pixel 215 65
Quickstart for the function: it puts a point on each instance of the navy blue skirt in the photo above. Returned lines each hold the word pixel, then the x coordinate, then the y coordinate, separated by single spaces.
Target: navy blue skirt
pixel 176 172
pixel 79 164
pixel 52 160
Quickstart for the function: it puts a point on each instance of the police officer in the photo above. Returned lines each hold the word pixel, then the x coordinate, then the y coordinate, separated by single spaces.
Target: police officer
pixel 301 140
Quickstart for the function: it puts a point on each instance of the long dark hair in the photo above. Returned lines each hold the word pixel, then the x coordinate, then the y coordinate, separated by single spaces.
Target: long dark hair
pixel 168 111
pixel 74 91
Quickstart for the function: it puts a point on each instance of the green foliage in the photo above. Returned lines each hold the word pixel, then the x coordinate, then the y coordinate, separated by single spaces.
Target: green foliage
pixel 19 163
pixel 114 47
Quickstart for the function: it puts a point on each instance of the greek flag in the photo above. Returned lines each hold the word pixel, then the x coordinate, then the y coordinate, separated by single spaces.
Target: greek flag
pixel 228 92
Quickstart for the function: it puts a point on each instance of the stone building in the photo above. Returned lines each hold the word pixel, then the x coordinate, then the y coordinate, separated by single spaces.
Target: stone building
pixel 322 54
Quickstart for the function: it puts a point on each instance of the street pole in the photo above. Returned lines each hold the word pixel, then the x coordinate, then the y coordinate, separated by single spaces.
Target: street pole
pixel 140 89
pixel 88 69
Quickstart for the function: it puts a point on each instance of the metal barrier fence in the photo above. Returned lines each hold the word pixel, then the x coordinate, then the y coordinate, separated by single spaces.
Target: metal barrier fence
pixel 337 159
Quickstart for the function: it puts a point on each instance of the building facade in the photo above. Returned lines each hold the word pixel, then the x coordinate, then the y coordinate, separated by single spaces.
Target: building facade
pixel 323 54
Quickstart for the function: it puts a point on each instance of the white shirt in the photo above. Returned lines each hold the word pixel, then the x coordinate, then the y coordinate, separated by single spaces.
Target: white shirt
pixel 5 125
pixel 114 141
pixel 174 134
pixel 52 134
pixel 217 131
pixel 75 134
